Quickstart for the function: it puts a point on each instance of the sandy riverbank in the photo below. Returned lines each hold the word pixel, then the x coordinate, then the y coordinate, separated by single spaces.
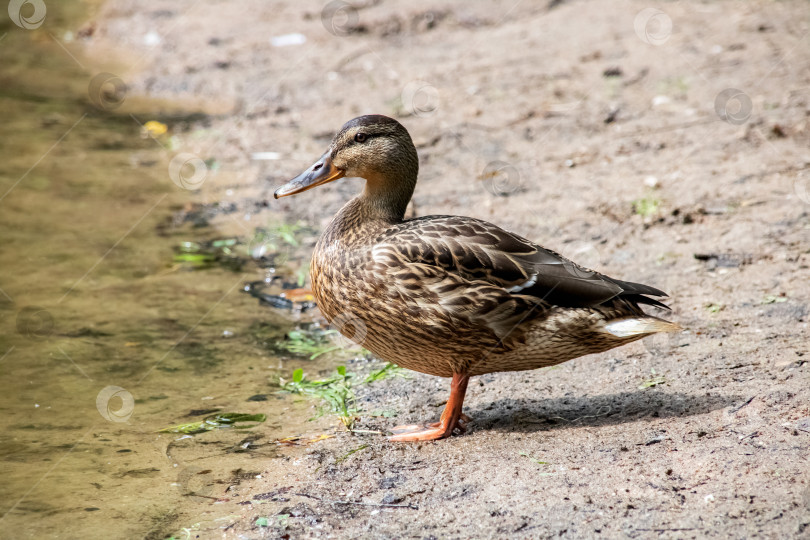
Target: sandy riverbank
pixel 611 124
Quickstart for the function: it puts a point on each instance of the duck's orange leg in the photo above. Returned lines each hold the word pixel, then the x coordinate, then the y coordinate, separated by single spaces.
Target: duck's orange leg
pixel 452 417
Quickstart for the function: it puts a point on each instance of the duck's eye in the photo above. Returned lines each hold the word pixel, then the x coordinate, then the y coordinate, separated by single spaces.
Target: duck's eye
pixel 360 137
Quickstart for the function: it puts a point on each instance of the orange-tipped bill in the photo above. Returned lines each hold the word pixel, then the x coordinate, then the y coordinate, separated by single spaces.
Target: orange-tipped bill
pixel 321 172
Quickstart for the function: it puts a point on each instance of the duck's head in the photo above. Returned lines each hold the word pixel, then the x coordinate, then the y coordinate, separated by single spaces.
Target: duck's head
pixel 373 147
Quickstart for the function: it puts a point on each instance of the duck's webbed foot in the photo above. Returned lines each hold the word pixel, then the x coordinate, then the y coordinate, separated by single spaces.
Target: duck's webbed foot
pixel 452 418
pixel 431 432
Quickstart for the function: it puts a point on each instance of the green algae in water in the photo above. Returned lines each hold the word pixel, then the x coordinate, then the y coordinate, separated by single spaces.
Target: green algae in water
pixel 310 342
pixel 267 247
pixel 306 341
pixel 217 421
pixel 202 255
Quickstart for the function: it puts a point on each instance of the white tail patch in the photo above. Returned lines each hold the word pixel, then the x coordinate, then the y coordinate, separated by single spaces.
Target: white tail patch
pixel 634 327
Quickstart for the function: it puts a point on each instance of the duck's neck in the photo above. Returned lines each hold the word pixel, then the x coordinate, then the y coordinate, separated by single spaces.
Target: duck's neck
pixel 386 197
pixel 383 203
pixel 370 213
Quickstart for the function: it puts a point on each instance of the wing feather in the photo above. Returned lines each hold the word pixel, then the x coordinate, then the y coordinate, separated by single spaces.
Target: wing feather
pixel 487 277
pixel 479 251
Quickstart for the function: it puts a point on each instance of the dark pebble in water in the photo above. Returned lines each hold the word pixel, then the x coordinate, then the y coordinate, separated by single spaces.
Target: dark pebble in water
pixel 274 300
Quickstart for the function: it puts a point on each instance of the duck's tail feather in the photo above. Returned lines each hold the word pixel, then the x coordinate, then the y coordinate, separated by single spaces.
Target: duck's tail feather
pixel 639 326
pixel 641 299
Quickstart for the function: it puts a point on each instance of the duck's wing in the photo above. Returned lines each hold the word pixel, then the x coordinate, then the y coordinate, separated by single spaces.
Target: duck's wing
pixel 476 251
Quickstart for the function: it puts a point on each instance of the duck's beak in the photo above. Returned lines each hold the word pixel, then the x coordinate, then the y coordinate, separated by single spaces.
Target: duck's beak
pixel 321 172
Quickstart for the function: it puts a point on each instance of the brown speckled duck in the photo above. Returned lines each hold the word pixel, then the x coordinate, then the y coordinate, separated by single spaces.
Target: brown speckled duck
pixel 452 296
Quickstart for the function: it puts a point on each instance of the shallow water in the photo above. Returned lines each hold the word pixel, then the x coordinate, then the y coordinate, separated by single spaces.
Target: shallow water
pixel 103 340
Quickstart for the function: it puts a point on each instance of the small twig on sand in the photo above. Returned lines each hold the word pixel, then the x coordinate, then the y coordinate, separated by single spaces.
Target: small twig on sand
pixel 411 506
pixel 673 127
pixel 738 407
pixel 192 494
pixel 675 529
pixel 366 431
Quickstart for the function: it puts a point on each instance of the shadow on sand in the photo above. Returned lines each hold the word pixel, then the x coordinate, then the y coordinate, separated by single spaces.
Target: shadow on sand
pixel 522 415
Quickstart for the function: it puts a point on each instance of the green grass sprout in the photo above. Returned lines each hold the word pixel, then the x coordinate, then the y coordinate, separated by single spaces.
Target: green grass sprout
pixel 349 453
pixel 337 392
pixel 654 381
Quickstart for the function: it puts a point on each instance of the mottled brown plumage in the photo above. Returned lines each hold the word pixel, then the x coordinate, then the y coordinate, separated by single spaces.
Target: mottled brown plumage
pixel 448 295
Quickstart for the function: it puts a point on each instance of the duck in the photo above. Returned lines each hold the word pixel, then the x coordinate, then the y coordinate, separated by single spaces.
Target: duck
pixel 452 296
